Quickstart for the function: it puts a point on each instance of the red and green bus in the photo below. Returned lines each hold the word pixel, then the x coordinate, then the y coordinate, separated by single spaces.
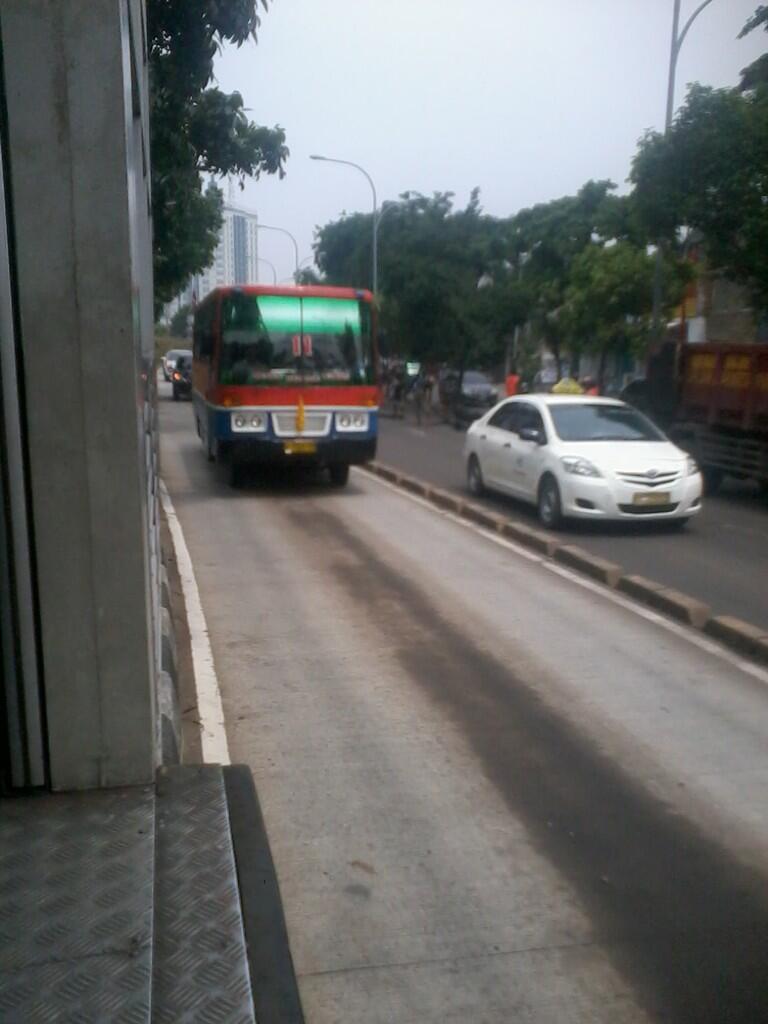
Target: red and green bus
pixel 282 375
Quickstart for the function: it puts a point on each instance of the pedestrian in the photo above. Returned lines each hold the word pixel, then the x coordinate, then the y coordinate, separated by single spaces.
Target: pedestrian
pixel 398 392
pixel 512 382
pixel 589 386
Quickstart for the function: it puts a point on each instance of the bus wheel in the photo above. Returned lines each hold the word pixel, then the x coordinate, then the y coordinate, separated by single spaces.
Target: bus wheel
pixel 339 472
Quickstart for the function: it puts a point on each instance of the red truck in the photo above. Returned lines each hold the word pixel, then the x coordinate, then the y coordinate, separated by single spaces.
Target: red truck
pixel 712 399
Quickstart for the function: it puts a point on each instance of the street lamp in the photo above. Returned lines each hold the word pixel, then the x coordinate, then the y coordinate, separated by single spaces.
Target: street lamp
pixel 271 267
pixel 283 231
pixel 348 163
pixel 678 39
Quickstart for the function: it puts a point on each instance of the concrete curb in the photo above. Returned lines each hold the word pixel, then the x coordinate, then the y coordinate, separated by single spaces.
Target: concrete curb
pixel 739 636
pixel 483 517
pixel 536 540
pixel 598 568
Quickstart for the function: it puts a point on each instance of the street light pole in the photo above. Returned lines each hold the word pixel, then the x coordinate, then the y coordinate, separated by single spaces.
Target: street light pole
pixel 674 52
pixel 348 163
pixel 283 231
pixel 271 266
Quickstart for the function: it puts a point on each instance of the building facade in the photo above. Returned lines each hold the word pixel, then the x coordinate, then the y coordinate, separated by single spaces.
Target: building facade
pixel 236 258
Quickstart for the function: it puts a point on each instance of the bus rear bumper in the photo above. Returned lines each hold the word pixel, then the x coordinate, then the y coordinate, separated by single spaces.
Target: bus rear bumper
pixel 320 452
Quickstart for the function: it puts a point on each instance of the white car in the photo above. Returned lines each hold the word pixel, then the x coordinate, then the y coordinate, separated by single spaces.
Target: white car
pixel 581 457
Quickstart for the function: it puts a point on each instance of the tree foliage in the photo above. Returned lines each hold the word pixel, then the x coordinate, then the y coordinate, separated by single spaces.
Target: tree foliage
pixel 197 129
pixel 710 173
pixel 454 284
pixel 608 299
pixel 755 74
pixel 179 325
pixel 431 257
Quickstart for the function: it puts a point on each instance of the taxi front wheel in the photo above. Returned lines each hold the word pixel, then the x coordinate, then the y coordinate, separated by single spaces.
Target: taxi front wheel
pixel 549 504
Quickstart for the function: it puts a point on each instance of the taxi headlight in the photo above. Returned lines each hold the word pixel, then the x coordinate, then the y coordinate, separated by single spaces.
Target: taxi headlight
pixel 691 466
pixel 579 467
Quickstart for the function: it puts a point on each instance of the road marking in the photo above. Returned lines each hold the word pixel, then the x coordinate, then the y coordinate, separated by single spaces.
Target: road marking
pixel 677 628
pixel 213 733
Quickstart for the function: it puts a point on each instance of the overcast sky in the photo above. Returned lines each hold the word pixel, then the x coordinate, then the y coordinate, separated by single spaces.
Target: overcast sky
pixel 527 99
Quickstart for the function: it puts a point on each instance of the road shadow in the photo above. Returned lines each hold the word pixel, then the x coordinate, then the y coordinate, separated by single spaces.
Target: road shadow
pixel 254 481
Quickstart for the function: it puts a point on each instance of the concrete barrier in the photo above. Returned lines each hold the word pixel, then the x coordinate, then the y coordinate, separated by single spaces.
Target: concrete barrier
pixel 739 635
pixel 592 565
pixel 639 587
pixel 483 517
pixel 446 500
pixel 414 485
pixel 665 599
pixel 385 472
pixel 537 540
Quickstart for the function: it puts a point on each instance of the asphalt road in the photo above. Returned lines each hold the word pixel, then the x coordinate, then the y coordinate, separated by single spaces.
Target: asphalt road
pixel 493 793
pixel 722 557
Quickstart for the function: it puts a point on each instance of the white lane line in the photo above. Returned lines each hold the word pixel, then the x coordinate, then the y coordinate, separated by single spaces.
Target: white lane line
pixel 213 733
pixel 677 628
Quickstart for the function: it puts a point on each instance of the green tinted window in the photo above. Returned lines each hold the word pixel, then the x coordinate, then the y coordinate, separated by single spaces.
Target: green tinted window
pixel 285 339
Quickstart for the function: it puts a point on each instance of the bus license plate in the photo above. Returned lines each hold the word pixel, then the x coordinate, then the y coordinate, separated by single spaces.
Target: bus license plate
pixel 651 498
pixel 299 447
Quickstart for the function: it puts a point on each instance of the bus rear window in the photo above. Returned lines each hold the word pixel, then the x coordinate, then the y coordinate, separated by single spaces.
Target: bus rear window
pixel 273 339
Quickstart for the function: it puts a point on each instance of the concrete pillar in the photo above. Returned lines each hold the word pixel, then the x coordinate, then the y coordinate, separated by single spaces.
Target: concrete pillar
pixel 76 96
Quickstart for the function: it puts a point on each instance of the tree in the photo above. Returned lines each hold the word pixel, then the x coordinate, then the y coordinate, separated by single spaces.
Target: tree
pixel 710 173
pixel 549 237
pixel 755 74
pixel 608 299
pixel 196 130
pixel 180 321
pixel 430 258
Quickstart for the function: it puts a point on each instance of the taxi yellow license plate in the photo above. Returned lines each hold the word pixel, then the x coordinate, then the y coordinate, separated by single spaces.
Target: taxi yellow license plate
pixel 651 498
pixel 299 447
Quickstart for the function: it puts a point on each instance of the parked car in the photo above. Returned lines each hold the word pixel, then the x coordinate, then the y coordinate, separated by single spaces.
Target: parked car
pixel 582 457
pixel 181 377
pixel 168 361
pixel 462 405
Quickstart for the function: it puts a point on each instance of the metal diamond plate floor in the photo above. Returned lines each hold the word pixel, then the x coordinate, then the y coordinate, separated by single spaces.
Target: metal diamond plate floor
pixel 76 907
pixel 122 906
pixel 200 969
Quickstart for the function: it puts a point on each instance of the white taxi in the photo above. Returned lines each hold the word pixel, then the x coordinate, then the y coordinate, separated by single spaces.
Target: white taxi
pixel 577 456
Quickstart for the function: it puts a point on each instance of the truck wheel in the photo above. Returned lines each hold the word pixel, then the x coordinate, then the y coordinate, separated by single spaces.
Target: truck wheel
pixel 339 473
